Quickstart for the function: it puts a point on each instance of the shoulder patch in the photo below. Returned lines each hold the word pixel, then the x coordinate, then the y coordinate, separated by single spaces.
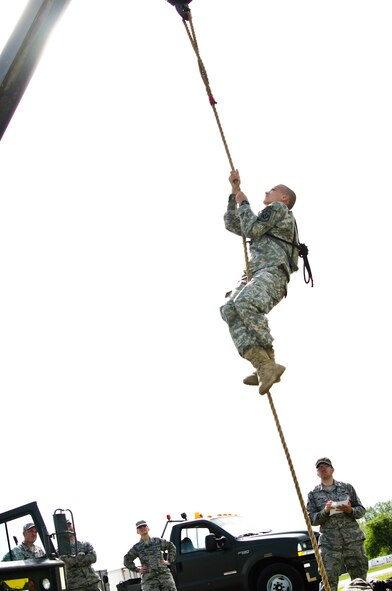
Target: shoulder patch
pixel 266 214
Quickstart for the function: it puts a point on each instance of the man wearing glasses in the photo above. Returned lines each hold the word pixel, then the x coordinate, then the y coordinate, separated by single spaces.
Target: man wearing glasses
pixel 335 507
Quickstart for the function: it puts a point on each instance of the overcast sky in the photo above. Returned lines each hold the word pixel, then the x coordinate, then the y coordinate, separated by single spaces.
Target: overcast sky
pixel 122 391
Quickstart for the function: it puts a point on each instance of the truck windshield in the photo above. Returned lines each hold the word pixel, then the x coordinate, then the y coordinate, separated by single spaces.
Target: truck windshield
pixel 239 526
pixel 11 535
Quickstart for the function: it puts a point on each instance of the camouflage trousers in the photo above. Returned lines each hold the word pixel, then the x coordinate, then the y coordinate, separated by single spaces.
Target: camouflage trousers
pixel 247 305
pixel 354 557
pixel 86 588
pixel 162 581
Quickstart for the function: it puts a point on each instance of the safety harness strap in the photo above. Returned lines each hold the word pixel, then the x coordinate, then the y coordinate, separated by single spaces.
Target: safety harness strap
pixel 302 252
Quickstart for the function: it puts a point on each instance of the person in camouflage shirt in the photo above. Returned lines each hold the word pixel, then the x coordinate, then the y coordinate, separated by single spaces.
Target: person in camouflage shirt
pixel 335 507
pixel 80 574
pixel 273 256
pixel 27 549
pixel 154 569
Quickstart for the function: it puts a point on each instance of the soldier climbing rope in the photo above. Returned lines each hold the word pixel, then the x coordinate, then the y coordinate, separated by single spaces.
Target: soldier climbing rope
pixel 185 12
pixel 288 246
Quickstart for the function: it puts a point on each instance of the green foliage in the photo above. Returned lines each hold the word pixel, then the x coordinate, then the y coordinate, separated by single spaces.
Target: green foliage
pixel 381 508
pixel 378 533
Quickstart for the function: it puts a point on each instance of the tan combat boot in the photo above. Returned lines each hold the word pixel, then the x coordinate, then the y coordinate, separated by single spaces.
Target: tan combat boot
pixel 252 379
pixel 267 370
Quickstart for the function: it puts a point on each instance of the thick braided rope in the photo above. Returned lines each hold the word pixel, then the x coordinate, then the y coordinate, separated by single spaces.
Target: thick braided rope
pixel 300 498
pixel 203 73
pixel 192 38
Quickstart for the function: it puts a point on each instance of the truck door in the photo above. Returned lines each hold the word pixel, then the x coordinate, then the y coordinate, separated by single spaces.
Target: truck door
pixel 197 568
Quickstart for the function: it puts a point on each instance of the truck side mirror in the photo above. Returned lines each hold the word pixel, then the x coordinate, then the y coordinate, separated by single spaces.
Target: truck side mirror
pixel 210 542
pixel 222 542
pixel 63 543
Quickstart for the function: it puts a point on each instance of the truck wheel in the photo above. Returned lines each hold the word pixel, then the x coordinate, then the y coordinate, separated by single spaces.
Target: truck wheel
pixel 279 577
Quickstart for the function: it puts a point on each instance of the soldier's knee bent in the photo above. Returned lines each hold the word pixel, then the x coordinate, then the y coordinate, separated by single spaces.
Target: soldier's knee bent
pixel 228 312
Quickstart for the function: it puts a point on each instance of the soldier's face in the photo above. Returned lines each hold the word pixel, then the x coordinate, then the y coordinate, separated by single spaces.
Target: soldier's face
pixel 30 535
pixel 143 529
pixel 324 470
pixel 274 194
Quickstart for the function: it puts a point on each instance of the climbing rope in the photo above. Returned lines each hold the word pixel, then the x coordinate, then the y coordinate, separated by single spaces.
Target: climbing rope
pixel 185 12
pixel 300 498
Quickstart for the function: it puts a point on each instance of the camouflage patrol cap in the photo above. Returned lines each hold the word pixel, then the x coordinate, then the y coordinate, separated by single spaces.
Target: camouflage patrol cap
pixel 359 584
pixel 28 526
pixel 324 461
pixel 140 523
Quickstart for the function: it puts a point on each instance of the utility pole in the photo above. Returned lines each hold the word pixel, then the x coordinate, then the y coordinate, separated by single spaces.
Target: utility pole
pixel 22 52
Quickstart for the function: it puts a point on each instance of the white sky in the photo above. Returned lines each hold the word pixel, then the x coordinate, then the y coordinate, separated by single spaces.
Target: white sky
pixel 122 391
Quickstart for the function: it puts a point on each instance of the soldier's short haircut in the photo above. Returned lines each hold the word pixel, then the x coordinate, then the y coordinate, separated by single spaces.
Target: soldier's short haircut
pixel 290 194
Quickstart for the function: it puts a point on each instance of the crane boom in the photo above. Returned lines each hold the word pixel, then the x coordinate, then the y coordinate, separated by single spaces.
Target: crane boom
pixel 22 52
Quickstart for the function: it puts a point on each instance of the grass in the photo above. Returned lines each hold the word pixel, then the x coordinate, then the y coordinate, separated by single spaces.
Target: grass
pixel 345 577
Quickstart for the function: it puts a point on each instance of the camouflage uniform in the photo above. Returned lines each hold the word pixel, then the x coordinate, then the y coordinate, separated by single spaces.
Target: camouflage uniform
pixel 80 573
pixel 341 538
pixel 24 552
pixel 158 577
pixel 271 263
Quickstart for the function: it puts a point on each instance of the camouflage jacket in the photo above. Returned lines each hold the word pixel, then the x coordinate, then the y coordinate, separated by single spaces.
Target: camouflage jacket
pixel 150 554
pixel 24 552
pixel 265 250
pixel 80 573
pixel 346 523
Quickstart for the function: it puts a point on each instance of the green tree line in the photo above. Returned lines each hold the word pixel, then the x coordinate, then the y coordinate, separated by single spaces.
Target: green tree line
pixel 377 527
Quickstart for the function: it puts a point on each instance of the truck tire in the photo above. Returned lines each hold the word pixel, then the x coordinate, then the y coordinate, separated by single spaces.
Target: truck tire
pixel 279 577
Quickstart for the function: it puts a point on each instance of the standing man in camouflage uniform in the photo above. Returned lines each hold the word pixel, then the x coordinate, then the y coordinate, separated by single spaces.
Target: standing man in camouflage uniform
pixel 80 574
pixel 273 257
pixel 335 507
pixel 154 569
pixel 27 549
